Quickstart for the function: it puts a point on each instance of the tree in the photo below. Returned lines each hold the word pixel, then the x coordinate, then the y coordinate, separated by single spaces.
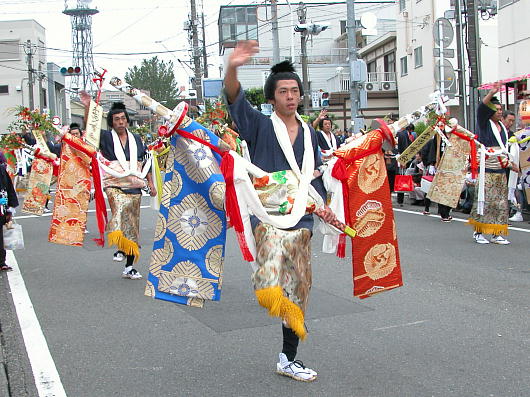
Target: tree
pixel 255 96
pixel 157 77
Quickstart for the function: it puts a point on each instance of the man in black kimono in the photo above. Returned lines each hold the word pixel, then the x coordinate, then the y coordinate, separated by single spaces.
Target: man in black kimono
pixel 283 89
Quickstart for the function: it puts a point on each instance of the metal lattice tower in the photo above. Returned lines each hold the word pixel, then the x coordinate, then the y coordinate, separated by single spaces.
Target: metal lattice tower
pixel 81 18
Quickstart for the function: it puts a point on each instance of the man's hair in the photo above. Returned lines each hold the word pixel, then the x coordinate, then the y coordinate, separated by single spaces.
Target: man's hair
pixel 321 122
pixel 281 71
pixel 495 101
pixel 410 127
pixel 507 113
pixel 75 126
pixel 117 108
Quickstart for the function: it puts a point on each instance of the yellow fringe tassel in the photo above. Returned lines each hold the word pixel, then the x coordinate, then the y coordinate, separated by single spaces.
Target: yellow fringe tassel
pixel 124 244
pixel 279 306
pixel 488 228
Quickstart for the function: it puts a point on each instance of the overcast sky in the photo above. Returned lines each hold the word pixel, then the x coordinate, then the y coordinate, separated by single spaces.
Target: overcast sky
pixel 124 26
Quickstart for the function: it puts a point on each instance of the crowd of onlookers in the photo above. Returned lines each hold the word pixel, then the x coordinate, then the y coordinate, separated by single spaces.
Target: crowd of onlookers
pixel 422 168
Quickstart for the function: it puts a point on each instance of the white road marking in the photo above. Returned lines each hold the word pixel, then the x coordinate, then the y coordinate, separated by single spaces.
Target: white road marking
pixel 517 229
pixel 400 325
pixel 45 373
pixel 50 213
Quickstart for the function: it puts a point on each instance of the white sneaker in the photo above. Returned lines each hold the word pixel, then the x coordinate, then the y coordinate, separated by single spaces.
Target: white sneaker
pixel 499 240
pixel 295 369
pixel 118 257
pixel 517 217
pixel 480 239
pixel 131 273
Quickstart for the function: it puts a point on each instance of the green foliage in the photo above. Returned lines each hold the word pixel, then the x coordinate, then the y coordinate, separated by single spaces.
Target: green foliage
pixel 158 78
pixel 255 96
pixel 27 120
pixel 144 131
pixel 419 127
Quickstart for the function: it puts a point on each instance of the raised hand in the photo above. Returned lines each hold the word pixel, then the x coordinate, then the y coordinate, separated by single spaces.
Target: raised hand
pixel 85 98
pixel 243 52
pixel 496 87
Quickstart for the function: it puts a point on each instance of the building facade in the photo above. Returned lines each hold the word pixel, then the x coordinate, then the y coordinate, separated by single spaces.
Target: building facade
pixel 327 52
pixel 17 40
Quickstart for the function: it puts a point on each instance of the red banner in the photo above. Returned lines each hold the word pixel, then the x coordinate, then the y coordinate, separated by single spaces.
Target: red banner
pixel 375 253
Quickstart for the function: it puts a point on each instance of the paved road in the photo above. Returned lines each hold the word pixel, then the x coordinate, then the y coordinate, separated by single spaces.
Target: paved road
pixel 459 326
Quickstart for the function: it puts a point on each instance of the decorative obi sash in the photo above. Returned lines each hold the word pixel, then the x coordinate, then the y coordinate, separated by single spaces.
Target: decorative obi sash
pixel 277 192
pixel 113 175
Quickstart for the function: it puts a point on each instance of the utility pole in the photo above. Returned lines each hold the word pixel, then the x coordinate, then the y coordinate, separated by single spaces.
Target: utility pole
pixel 461 65
pixel 352 54
pixel 204 56
pixel 474 59
pixel 302 13
pixel 275 38
pixel 196 53
pixel 29 52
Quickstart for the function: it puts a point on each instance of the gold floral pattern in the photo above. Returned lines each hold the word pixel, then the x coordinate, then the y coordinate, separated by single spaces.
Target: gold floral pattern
pixel 193 222
pixel 380 261
pixel 149 289
pixel 161 257
pixel 370 218
pixel 217 195
pixel 71 200
pixel 185 279
pixel 197 159
pixel 372 173
pixel 214 260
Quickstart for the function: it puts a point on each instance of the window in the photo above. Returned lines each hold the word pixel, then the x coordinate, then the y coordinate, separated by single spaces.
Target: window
pixel 342 27
pixel 238 23
pixel 9 50
pixel 390 62
pixel 402 5
pixel 404 66
pixel 4 89
pixel 418 57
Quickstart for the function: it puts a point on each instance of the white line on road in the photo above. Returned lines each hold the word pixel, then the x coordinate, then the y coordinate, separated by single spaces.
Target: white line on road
pixel 50 213
pixel 45 373
pixel 517 229
pixel 400 325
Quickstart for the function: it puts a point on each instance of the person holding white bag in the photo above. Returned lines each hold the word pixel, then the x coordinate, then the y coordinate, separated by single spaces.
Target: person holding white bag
pixel 8 202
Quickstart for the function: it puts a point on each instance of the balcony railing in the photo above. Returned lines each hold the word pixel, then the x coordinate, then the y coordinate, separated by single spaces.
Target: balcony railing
pixel 335 56
pixel 341 81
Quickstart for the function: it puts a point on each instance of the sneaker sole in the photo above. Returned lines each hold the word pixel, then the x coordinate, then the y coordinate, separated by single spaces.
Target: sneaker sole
pixel 482 242
pixel 131 277
pixel 292 376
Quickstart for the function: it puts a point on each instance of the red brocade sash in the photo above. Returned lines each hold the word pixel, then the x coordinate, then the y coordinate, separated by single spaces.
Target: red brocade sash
pixel 73 194
pixel 375 253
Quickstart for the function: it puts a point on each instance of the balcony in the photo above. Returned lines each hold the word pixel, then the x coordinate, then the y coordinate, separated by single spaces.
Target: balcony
pixel 336 56
pixel 385 81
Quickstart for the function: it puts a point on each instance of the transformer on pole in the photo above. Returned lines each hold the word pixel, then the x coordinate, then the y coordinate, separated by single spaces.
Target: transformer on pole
pixel 81 18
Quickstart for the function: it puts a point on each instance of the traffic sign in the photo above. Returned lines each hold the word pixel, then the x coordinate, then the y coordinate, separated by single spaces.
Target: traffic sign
pixel 443 32
pixel 447 52
pixel 449 78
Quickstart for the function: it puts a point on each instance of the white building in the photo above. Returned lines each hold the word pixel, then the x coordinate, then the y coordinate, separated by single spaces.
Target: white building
pixel 327 52
pixel 17 38
pixel 514 40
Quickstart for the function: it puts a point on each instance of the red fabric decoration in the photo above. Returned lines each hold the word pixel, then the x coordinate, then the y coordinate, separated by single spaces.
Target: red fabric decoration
pixel 403 183
pixel 339 172
pixel 101 208
pixel 473 155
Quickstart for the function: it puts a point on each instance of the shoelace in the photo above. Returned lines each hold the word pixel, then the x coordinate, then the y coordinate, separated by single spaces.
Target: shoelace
pixel 298 363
